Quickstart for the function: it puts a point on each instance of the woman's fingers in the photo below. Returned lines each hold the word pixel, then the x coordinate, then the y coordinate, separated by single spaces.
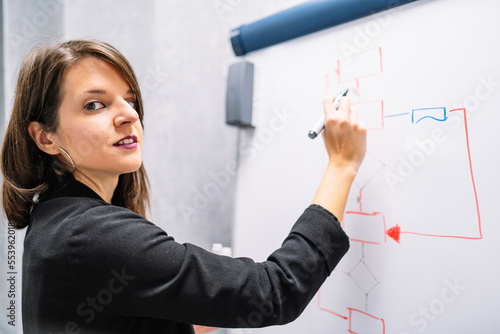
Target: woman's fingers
pixel 343 110
pixel 354 115
pixel 344 135
pixel 328 104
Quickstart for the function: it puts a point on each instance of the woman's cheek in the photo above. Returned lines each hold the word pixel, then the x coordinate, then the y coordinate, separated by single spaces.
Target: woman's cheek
pixel 89 144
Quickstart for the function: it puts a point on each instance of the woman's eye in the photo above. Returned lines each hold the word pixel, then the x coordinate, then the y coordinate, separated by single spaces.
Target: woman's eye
pixel 133 104
pixel 94 106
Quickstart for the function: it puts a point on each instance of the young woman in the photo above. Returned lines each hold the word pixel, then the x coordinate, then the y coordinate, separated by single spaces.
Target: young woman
pixel 73 173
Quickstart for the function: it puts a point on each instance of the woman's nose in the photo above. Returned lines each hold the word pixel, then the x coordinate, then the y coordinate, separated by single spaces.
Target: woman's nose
pixel 126 114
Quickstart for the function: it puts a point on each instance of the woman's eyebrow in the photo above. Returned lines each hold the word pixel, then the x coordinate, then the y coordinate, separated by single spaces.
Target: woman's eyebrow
pixel 102 91
pixel 95 91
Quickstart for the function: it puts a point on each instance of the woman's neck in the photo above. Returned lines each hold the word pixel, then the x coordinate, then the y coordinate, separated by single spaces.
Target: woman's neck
pixel 103 185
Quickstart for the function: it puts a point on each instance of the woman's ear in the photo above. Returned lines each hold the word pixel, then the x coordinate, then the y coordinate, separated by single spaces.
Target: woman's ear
pixel 43 140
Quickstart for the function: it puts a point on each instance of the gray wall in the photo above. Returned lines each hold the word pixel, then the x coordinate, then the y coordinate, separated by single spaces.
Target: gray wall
pixel 26 23
pixel 180 51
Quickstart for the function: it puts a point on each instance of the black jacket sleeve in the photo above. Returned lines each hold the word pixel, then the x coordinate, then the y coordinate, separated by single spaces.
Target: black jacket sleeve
pixel 135 269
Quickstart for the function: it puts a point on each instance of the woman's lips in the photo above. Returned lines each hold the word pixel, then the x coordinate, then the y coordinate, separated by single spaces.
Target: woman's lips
pixel 128 142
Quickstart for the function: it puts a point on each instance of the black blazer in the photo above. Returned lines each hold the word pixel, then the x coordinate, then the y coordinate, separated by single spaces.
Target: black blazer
pixel 93 267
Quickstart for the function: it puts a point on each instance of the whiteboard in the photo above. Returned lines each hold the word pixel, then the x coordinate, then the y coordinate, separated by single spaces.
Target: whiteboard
pixel 421 215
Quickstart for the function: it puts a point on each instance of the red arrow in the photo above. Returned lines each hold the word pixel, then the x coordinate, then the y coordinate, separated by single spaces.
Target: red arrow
pixel 394 232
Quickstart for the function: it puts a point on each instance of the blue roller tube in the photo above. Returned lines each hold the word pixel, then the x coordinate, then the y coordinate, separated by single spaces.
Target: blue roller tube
pixel 303 19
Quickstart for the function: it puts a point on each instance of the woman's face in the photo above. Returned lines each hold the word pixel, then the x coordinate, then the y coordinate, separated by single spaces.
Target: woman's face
pixel 98 125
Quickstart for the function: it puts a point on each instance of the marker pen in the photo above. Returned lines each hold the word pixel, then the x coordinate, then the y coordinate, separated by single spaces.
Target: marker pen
pixel 321 123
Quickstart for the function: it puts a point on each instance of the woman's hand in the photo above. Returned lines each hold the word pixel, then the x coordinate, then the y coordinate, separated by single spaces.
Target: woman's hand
pixel 345 142
pixel 344 136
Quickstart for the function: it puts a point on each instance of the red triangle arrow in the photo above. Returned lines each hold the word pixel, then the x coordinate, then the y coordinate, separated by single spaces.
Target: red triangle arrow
pixel 394 232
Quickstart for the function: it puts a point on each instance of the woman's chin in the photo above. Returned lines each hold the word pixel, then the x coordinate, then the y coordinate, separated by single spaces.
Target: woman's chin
pixel 126 167
pixel 132 168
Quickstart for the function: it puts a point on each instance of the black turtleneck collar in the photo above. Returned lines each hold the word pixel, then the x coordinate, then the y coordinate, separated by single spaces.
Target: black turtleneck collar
pixel 67 186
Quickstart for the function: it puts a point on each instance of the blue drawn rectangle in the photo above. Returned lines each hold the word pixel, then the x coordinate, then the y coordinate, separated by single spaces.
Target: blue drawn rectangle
pixel 437 114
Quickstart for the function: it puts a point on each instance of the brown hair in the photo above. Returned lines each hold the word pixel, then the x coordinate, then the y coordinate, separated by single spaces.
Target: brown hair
pixel 26 169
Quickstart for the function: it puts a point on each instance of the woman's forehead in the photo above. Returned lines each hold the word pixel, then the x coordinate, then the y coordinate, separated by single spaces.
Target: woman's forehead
pixel 90 74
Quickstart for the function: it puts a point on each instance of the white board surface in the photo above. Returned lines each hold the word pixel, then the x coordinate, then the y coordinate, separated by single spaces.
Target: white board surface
pixel 428 79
